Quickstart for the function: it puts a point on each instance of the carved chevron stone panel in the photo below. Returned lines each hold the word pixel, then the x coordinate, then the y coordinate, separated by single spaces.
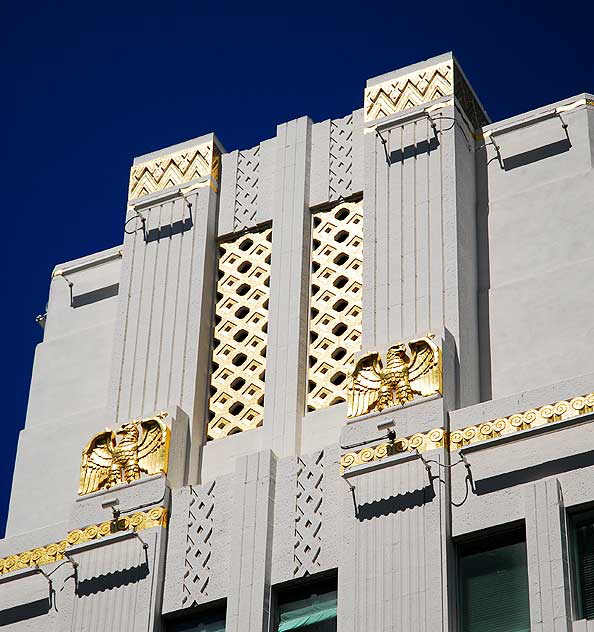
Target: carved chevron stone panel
pixel 246 189
pixel 341 157
pixel 308 514
pixel 199 544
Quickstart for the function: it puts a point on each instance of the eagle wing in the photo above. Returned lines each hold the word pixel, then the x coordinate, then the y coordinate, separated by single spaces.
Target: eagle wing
pixel 424 371
pixel 364 384
pixel 153 448
pixel 97 458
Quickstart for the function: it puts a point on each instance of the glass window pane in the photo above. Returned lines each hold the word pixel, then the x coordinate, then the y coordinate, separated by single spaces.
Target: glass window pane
pixel 584 565
pixel 494 588
pixel 309 609
pixel 210 621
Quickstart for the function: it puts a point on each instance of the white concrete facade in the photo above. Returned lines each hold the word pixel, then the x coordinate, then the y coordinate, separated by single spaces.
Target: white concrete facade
pixel 475 230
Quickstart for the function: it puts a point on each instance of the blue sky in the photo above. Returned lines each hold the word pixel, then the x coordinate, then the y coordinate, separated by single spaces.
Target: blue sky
pixel 89 86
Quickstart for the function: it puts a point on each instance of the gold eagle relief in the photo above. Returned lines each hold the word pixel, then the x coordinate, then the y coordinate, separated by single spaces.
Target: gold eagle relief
pixel 412 368
pixel 112 458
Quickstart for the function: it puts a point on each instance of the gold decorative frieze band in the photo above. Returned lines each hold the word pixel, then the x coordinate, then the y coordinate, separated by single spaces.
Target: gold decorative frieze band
pixel 422 86
pixel 564 409
pixel 174 169
pixel 156 517
pixel 412 369
pixel 420 442
pixel 112 458
pixel 458 439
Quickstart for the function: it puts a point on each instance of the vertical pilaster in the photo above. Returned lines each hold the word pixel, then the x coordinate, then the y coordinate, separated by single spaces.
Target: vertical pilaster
pixel 248 600
pixel 289 290
pixel 548 566
pixel 162 343
pixel 390 576
pixel 419 255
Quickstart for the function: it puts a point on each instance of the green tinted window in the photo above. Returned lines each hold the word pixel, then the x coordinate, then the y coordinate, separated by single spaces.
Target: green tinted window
pixel 583 564
pixel 309 609
pixel 493 578
pixel 208 621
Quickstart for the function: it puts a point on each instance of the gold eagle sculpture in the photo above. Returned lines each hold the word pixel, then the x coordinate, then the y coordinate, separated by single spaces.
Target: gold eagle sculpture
pixel 412 368
pixel 143 447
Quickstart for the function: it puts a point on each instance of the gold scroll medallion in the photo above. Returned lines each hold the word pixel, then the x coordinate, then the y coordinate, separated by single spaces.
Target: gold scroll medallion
pixel 112 458
pixel 412 368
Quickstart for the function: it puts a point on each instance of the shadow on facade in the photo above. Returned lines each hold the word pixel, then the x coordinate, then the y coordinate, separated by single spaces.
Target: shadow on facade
pixel 24 612
pixel 163 232
pixel 94 585
pixel 395 504
pixel 95 295
pixel 533 473
pixel 410 151
pixel 534 155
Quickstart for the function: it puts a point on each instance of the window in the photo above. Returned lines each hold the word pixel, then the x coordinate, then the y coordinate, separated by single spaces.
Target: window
pixel 582 528
pixel 493 584
pixel 308 608
pixel 212 620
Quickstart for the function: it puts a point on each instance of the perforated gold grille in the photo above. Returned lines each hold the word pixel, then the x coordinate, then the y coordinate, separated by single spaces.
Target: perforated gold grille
pixel 335 303
pixel 239 346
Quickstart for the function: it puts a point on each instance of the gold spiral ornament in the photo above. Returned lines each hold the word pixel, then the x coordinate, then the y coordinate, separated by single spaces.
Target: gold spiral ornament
pixel 381 451
pixel 401 445
pixel 561 408
pixel 486 429
pixel 499 425
pixel 348 460
pixel 456 437
pixel 416 441
pixel 436 435
pixel 517 421
pixel 547 412
pixel 469 433
pixel 578 403
pixel 366 455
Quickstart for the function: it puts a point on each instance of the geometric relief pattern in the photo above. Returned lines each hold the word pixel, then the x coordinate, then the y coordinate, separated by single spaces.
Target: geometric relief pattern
pixel 246 189
pixel 308 517
pixel 335 302
pixel 341 157
pixel 172 169
pixel 198 545
pixel 240 334
pixel 409 91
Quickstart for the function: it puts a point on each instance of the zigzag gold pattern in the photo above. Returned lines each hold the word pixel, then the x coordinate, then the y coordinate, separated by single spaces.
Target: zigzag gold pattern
pixel 522 421
pixel 156 517
pixel 174 169
pixel 421 442
pixel 409 91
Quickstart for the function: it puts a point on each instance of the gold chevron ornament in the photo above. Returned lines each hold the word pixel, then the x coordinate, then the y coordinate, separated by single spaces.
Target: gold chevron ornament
pixel 112 458
pixel 174 169
pixel 412 369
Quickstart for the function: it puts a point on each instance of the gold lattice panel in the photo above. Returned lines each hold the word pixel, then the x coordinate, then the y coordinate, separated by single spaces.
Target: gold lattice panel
pixel 239 346
pixel 335 303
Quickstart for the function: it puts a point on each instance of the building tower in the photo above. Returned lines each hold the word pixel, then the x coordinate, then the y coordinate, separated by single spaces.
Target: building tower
pixel 340 380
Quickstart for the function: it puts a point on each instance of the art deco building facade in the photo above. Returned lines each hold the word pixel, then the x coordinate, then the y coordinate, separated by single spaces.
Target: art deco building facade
pixel 347 377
